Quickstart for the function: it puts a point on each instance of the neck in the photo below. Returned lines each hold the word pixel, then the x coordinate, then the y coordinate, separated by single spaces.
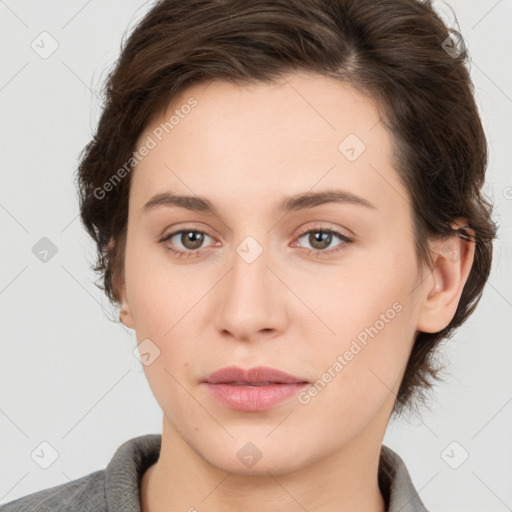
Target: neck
pixel 343 481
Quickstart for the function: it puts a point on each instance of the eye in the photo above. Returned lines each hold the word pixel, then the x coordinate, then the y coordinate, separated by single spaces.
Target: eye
pixel 191 240
pixel 320 239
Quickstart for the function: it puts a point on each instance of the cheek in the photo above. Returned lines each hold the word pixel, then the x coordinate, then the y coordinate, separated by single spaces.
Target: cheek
pixel 175 396
pixel 168 308
pixel 359 374
pixel 370 312
pixel 154 289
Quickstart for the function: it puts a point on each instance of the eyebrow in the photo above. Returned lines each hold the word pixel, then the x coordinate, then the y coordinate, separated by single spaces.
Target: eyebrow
pixel 296 202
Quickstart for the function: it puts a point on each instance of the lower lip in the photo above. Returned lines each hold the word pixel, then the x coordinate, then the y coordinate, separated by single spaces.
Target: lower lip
pixel 255 399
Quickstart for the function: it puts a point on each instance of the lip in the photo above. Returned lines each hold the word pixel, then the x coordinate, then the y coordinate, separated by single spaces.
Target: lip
pixel 258 374
pixel 258 388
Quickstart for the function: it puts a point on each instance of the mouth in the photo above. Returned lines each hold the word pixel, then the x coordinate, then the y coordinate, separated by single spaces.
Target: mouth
pixel 253 390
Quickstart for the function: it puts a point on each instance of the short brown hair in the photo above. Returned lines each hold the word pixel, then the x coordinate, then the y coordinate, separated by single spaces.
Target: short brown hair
pixel 394 50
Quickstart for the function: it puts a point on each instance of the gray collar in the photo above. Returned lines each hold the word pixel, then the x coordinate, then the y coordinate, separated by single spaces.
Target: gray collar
pixel 396 485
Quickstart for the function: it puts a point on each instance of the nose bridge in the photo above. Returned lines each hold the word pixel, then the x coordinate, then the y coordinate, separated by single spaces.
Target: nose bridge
pixel 250 298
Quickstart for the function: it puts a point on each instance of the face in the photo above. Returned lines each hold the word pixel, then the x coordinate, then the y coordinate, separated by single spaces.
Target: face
pixel 324 288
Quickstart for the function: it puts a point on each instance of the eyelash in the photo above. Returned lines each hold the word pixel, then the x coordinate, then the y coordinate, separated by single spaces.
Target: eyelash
pixel 310 252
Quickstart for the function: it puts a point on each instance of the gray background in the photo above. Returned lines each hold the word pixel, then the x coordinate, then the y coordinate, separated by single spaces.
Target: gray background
pixel 68 373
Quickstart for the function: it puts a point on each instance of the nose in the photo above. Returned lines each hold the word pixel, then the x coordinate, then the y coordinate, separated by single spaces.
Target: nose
pixel 252 299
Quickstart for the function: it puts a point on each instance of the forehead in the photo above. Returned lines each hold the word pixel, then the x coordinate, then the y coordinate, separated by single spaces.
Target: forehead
pixel 302 132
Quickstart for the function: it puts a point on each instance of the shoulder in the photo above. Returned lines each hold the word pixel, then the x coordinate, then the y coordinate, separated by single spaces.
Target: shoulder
pixel 396 484
pixel 115 488
pixel 86 494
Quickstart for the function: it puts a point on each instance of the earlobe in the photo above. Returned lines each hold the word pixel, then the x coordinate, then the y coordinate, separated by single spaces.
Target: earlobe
pixel 125 315
pixel 118 283
pixel 452 261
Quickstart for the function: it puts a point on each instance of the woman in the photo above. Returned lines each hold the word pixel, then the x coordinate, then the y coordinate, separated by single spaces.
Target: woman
pixel 286 201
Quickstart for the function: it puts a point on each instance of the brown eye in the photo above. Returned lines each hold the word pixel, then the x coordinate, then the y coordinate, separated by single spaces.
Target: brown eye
pixel 185 242
pixel 191 239
pixel 320 240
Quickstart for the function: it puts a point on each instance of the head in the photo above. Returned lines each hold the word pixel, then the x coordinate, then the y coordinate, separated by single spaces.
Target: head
pixel 247 105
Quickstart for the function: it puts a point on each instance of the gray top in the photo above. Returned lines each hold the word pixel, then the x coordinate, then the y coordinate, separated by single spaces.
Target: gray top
pixel 116 488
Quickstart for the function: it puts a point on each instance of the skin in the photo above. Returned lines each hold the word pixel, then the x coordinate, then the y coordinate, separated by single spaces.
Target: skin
pixel 245 148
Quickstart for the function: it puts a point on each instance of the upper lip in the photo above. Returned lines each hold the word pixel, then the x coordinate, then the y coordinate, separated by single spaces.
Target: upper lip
pixel 256 375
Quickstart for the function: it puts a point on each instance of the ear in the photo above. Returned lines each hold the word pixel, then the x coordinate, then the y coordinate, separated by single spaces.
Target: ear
pixel 125 316
pixel 441 290
pixel 118 282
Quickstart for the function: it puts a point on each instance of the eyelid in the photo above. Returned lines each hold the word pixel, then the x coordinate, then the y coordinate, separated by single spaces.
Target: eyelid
pixel 179 229
pixel 318 226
